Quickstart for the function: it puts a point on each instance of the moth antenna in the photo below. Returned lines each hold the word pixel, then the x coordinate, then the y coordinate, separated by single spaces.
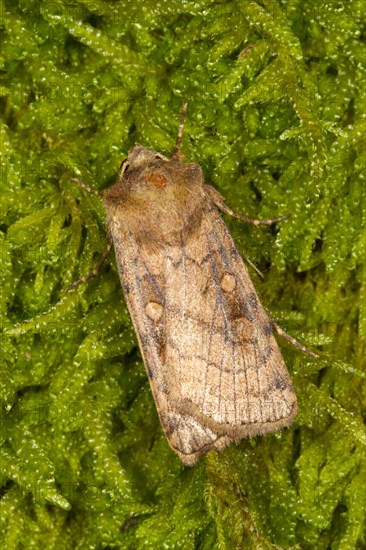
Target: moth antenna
pixel 87 188
pixel 176 151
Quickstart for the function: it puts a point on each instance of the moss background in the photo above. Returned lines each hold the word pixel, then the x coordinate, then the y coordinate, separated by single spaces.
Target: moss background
pixel 276 119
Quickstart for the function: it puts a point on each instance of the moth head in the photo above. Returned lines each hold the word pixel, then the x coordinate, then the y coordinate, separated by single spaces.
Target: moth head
pixel 149 181
pixel 159 197
pixel 143 166
pixel 140 156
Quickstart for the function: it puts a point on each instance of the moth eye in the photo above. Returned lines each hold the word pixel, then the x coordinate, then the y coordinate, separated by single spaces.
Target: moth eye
pixel 159 156
pixel 124 167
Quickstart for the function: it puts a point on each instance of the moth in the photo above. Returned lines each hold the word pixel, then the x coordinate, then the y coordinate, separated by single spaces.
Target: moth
pixel 214 366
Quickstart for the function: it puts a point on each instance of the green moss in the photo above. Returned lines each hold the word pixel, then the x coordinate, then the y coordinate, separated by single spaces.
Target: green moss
pixel 276 118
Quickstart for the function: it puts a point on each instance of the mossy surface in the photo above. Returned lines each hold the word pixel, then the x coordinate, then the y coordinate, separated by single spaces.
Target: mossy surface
pixel 276 119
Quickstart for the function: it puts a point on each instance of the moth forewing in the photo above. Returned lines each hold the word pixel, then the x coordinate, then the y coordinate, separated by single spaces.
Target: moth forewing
pixel 214 366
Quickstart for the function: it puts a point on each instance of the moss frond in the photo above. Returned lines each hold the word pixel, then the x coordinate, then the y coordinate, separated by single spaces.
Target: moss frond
pixel 276 119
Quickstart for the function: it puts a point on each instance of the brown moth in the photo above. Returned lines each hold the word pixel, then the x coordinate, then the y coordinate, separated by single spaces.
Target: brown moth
pixel 214 366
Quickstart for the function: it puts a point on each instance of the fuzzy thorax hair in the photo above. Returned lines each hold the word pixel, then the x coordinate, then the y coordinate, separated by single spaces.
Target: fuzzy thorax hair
pixel 162 199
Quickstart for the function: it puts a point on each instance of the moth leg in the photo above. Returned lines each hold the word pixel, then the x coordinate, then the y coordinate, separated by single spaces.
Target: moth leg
pixel 87 188
pixel 219 202
pixel 293 340
pixel 253 266
pixel 95 270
